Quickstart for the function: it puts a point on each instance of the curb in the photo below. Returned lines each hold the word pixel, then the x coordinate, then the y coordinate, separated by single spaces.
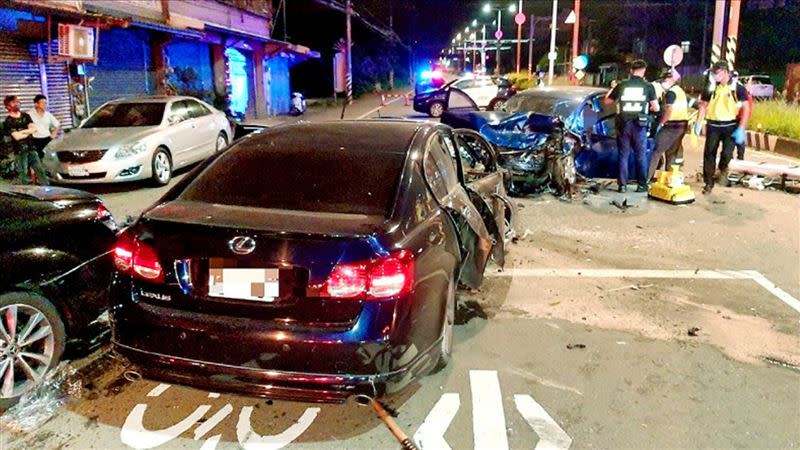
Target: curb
pixel 770 143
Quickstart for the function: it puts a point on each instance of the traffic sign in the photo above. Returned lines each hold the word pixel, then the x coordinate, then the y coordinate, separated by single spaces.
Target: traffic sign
pixel 519 19
pixel 498 34
pixel 580 74
pixel 552 56
pixel 580 62
pixel 673 55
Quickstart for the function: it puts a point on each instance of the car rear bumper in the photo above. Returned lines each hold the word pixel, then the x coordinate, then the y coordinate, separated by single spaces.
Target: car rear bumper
pixel 284 385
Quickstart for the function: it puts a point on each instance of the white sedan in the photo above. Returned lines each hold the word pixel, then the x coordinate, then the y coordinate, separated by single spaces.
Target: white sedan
pixel 138 138
pixel 482 89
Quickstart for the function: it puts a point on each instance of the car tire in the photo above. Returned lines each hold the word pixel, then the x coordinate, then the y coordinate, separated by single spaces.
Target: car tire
pixel 162 167
pixel 497 104
pixel 436 109
pixel 446 345
pixel 221 142
pixel 46 326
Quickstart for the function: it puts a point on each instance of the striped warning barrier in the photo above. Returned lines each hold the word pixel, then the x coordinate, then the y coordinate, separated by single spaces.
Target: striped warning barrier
pixel 730 56
pixel 406 97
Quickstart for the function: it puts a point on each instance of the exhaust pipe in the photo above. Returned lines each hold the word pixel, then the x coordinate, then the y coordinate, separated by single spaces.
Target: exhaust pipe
pixel 132 375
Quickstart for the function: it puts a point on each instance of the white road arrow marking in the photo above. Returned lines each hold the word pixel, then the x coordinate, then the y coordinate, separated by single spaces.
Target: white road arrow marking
pixel 211 443
pixel 250 440
pixel 134 434
pixel 551 435
pixel 488 417
pixel 209 424
pixel 430 434
pixel 158 390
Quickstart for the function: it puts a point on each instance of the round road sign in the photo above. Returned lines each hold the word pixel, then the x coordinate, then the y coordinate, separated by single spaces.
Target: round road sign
pixel 552 56
pixel 498 34
pixel 673 55
pixel 580 62
pixel 519 19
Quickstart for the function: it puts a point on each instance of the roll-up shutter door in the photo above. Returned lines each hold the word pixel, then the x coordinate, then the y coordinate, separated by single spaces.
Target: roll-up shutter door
pixel 19 72
pixel 122 67
pixel 58 93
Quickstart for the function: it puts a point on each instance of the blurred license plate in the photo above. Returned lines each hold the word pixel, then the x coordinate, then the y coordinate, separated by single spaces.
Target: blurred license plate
pixel 77 171
pixel 244 284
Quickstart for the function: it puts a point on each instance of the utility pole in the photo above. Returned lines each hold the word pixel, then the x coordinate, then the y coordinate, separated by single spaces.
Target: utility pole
pixel 530 45
pixel 483 48
pixel 733 33
pixel 705 35
pixel 719 29
pixel 519 33
pixel 576 29
pixel 552 55
pixel 349 44
pixel 391 27
pixel 499 33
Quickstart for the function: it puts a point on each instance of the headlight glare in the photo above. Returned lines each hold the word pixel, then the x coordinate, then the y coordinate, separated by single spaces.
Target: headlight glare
pixel 124 151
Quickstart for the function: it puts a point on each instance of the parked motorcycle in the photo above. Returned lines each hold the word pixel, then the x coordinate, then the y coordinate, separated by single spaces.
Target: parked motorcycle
pixel 298 104
pixel 541 157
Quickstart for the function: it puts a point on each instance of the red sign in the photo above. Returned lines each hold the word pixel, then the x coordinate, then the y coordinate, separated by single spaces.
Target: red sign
pixel 519 19
pixel 498 34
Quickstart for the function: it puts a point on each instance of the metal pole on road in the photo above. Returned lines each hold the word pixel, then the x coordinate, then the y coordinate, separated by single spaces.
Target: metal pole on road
pixel 576 29
pixel 519 35
pixel 719 31
pixel 349 44
pixel 530 45
pixel 733 32
pixel 498 33
pixel 552 55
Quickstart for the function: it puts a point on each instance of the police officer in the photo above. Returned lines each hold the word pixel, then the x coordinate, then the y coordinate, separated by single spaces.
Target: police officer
pixel 636 98
pixel 672 123
pixel 720 105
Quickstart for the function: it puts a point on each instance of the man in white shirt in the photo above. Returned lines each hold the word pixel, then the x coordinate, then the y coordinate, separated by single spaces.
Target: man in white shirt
pixel 47 126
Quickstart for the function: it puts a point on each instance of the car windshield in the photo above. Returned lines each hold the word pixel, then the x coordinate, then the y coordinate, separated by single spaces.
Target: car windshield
pixel 762 80
pixel 118 115
pixel 338 174
pixel 547 105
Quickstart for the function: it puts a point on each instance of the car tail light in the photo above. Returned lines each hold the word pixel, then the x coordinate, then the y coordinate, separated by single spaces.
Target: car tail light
pixel 138 258
pixel 384 277
pixel 103 213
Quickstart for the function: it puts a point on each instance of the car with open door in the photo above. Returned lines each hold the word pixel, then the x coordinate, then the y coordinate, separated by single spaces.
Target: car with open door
pixel 307 262
pixel 55 246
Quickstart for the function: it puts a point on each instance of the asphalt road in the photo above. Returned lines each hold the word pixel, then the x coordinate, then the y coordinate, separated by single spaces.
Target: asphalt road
pixel 653 327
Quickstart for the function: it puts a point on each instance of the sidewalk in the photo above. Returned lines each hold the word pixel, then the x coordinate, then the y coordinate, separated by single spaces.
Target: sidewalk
pixel 362 107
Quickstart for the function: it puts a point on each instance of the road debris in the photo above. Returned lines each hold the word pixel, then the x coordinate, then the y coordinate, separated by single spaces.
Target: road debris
pixel 572 346
pixel 633 287
pixel 694 331
pixel 39 405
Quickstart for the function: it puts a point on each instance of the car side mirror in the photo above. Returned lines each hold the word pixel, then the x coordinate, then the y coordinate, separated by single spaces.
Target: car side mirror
pixel 174 119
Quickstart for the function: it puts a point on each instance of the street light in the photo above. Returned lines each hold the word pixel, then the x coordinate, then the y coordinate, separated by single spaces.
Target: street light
pixel 475 23
pixel 487 8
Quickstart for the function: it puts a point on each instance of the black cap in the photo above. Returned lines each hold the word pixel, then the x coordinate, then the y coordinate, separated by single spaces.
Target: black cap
pixel 719 65
pixel 638 64
pixel 666 73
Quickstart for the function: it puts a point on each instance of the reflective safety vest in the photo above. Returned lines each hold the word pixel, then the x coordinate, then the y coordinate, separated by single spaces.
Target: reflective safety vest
pixel 680 109
pixel 633 101
pixel 659 90
pixel 723 106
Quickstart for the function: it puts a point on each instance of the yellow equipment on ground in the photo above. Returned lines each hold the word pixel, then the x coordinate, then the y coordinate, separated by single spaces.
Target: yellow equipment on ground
pixel 670 187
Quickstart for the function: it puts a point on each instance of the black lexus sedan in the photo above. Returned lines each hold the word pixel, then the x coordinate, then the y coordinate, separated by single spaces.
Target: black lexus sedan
pixel 307 262
pixel 55 254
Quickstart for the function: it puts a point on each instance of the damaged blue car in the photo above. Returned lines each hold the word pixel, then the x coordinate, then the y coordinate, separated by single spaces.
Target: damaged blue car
pixel 548 137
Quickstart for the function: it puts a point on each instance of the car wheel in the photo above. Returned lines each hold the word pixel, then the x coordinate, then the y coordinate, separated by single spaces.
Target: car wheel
pixel 436 109
pixel 162 167
pixel 222 142
pixel 32 339
pixel 446 347
pixel 497 104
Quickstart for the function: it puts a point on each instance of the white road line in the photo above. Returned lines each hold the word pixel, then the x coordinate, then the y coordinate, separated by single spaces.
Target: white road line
pixel 213 395
pixel 430 434
pixel 488 417
pixel 380 107
pixel 134 434
pixel 158 390
pixel 250 440
pixel 551 435
pixel 209 424
pixel 211 443
pixel 784 296
pixel 753 275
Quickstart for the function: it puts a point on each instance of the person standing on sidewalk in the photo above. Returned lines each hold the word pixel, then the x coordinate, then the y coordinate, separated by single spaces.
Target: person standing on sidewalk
pixel 672 124
pixel 740 147
pixel 20 127
pixel 720 106
pixel 636 99
pixel 47 126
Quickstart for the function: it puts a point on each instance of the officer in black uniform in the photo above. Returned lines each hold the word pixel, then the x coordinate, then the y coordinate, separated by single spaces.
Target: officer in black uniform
pixel 636 99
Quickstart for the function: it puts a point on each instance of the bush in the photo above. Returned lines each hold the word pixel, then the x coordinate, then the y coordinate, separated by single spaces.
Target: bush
pixel 776 117
pixel 521 81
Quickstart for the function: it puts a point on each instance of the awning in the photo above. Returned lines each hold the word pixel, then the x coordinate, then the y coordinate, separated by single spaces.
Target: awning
pixel 272 47
pixel 165 29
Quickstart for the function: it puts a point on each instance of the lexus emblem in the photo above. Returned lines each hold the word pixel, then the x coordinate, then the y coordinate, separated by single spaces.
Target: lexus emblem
pixel 242 245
